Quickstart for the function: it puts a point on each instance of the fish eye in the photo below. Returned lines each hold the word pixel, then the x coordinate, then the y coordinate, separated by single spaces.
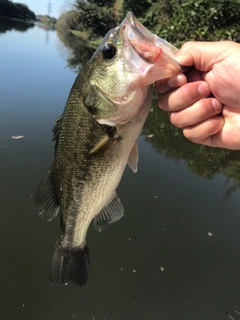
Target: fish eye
pixel 109 51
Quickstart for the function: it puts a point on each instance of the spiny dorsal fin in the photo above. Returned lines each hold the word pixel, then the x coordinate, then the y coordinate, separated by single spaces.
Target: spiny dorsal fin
pixel 45 200
pixel 56 131
pixel 112 212
pixel 133 158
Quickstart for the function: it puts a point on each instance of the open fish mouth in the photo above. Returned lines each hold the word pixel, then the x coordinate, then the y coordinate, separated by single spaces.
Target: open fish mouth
pixel 146 53
pixel 148 45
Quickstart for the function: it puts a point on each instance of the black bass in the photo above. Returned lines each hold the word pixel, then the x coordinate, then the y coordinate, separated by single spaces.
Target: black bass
pixel 96 137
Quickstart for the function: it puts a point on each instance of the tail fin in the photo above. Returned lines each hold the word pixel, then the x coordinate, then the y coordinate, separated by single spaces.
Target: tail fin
pixel 70 265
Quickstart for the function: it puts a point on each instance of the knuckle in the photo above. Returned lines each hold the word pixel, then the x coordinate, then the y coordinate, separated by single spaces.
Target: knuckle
pixel 216 105
pixel 187 132
pixel 163 102
pixel 193 134
pixel 186 46
pixel 204 108
pixel 162 87
pixel 189 93
pixel 175 119
pixel 209 107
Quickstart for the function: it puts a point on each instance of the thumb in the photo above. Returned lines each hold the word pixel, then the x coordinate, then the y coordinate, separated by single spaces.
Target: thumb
pixel 201 55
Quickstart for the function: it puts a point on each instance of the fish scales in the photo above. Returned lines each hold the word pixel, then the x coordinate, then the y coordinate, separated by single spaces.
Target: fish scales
pixel 81 167
pixel 96 137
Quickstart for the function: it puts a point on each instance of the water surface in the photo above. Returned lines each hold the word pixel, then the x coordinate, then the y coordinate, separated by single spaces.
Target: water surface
pixel 175 254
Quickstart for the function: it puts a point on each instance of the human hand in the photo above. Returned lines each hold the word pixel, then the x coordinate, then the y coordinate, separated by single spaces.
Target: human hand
pixel 205 102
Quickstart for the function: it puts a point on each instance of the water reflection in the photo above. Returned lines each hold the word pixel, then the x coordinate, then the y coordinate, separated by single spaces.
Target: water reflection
pixel 80 50
pixel 13 24
pixel 202 160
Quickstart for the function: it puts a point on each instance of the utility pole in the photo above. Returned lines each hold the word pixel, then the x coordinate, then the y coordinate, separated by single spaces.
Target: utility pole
pixel 49 8
pixel 49 17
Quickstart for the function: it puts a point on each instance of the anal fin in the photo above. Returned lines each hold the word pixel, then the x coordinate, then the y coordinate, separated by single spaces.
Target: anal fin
pixel 112 212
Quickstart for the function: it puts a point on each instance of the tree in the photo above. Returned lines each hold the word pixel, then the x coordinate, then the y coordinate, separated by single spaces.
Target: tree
pixel 80 47
pixel 96 17
pixel 139 8
pixel 199 20
pixel 16 10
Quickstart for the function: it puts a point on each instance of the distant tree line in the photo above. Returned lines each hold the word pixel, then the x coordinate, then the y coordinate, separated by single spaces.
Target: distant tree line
pixel 175 20
pixel 16 10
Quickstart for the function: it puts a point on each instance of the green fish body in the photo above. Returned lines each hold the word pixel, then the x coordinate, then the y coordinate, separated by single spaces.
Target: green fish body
pixel 96 137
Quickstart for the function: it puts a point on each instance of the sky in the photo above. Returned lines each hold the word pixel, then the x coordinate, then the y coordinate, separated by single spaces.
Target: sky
pixel 57 7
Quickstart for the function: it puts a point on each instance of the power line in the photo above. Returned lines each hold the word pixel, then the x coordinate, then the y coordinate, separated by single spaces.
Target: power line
pixel 49 8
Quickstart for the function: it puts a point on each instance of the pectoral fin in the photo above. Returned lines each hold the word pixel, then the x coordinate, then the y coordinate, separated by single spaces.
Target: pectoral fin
pixel 101 143
pixel 133 158
pixel 111 135
pixel 112 212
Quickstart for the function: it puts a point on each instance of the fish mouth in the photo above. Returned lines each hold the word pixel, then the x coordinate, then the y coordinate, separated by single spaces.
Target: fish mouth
pixel 148 45
pixel 147 53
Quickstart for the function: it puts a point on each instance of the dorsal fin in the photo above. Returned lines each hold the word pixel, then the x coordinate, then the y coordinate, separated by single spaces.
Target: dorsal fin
pixel 112 212
pixel 56 131
pixel 45 200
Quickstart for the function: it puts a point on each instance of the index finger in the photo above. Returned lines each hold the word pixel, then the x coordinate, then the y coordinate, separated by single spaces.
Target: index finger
pixel 184 96
pixel 164 86
pixel 203 55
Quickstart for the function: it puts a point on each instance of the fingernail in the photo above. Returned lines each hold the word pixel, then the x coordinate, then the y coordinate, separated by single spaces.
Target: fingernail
pixel 177 81
pixel 182 59
pixel 217 105
pixel 204 89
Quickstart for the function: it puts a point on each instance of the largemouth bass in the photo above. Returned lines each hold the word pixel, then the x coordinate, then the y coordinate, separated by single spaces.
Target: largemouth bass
pixel 96 137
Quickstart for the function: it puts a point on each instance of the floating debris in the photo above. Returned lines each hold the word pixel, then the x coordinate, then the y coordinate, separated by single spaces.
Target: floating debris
pixel 233 314
pixel 150 135
pixel 17 137
pixel 210 234
pixel 161 268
